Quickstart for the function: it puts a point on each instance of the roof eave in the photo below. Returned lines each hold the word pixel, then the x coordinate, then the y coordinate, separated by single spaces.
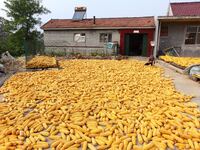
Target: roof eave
pixel 179 19
pixel 99 28
pixel 43 26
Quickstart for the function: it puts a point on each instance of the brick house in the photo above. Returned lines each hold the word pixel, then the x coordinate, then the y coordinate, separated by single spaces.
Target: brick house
pixel 180 28
pixel 85 35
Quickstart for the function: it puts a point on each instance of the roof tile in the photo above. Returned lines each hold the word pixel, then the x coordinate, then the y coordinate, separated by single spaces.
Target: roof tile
pixel 186 9
pixel 100 22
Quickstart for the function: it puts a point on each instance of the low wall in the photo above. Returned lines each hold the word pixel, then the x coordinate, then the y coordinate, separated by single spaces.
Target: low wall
pixel 190 51
pixel 86 51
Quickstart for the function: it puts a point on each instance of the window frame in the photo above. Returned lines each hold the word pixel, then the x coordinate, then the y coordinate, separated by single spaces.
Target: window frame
pixel 81 35
pixel 196 36
pixel 100 34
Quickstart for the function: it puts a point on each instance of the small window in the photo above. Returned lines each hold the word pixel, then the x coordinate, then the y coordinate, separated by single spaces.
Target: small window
pixel 192 35
pixel 79 37
pixel 190 38
pixel 105 37
pixel 192 29
pixel 164 30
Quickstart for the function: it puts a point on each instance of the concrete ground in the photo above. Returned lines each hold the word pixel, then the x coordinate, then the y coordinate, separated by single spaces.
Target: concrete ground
pixel 182 82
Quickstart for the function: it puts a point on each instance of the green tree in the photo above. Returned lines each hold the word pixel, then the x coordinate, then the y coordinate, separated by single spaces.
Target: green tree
pixel 23 17
pixel 3 36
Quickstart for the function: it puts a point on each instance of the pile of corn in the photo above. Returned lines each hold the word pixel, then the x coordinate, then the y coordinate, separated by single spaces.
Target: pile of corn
pixel 105 104
pixel 197 76
pixel 41 62
pixel 181 61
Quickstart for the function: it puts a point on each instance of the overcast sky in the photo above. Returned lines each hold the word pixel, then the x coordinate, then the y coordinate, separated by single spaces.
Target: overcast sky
pixel 64 9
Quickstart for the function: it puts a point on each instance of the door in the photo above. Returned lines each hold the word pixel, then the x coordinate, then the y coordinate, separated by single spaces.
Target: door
pixel 127 44
pixel 144 45
pixel 135 44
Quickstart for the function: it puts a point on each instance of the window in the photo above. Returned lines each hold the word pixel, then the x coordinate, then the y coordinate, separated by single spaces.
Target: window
pixel 192 35
pixel 79 37
pixel 164 30
pixel 105 37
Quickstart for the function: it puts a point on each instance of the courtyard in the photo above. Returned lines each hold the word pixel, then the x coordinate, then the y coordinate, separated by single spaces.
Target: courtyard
pixel 100 104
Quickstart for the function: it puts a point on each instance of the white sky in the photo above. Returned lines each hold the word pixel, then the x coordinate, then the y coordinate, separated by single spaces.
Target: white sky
pixel 61 9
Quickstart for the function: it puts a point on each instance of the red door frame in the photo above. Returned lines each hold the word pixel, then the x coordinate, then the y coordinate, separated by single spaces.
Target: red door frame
pixel 150 37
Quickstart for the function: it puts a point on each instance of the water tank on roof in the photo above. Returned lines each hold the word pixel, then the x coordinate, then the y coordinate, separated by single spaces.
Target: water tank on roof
pixel 80 13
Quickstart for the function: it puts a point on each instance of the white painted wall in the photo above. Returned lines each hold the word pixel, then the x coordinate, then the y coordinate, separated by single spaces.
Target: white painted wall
pixel 66 38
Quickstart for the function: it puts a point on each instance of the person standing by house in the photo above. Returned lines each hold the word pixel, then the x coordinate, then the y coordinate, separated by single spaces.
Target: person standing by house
pixel 151 61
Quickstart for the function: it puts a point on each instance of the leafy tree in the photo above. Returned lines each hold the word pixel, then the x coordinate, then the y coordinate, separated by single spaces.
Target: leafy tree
pixel 3 36
pixel 23 18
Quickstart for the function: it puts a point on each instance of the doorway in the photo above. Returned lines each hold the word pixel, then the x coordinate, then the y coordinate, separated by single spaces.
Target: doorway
pixel 136 44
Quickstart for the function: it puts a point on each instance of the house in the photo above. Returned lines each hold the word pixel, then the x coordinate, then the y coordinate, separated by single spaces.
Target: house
pixel 180 29
pixel 88 35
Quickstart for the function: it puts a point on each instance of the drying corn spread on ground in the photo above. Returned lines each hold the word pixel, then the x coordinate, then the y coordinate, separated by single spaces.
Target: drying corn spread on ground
pixel 93 104
pixel 42 62
pixel 181 61
pixel 197 76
